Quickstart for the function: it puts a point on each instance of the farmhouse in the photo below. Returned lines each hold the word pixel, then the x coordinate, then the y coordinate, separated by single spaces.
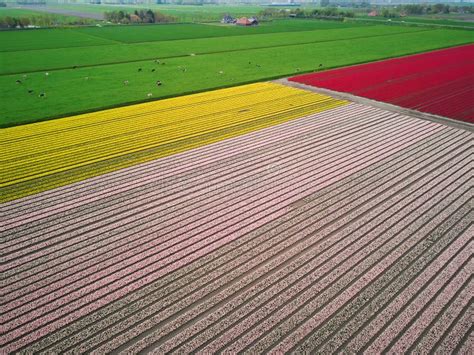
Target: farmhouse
pixel 244 21
pixel 373 13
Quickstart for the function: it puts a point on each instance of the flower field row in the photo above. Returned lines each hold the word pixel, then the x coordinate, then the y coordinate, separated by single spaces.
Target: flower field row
pixel 45 155
pixel 439 82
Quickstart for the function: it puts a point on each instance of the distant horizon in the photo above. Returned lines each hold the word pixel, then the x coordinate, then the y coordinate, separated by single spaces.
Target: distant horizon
pixel 239 2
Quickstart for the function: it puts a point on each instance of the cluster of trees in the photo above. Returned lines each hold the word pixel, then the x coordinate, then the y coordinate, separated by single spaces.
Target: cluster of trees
pixel 271 12
pixel 423 9
pixel 329 12
pixel 44 20
pixel 14 22
pixel 138 16
pixel 323 13
pixel 389 13
pixel 428 9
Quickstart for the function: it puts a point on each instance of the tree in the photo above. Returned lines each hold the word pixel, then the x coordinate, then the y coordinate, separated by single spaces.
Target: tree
pixel 10 22
pixel 24 22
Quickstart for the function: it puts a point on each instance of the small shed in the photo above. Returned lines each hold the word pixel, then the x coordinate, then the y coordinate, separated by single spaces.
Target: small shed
pixel 373 13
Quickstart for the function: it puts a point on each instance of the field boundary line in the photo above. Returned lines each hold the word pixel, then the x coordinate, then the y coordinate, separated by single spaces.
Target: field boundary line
pixel 97 37
pixel 382 105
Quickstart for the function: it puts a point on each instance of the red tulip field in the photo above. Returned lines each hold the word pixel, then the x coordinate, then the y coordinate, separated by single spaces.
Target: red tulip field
pixel 438 82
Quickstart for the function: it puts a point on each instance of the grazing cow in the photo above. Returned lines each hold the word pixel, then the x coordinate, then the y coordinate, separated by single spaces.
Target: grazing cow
pixel 42 94
pixel 86 78
pixel 158 83
pixel 46 73
pixel 258 66
pixel 157 61
pixel 163 63
pixel 125 82
pixel 30 92
pixel 250 62
pixel 74 67
pixel 221 72
pixel 25 76
pixel 139 69
pixel 298 69
pixel 18 81
pixel 149 94
pixel 320 65
pixel 153 70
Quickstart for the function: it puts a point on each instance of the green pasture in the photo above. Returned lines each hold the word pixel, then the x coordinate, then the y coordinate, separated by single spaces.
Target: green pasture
pixel 90 36
pixel 151 33
pixel 434 21
pixel 50 59
pixel 416 20
pixel 33 39
pixel 13 12
pixel 71 91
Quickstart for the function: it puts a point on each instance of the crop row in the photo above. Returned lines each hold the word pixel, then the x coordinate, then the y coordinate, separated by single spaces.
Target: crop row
pixel 81 143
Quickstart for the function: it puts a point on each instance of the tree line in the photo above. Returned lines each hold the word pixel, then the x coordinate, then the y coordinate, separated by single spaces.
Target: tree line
pixel 428 9
pixel 43 20
pixel 424 9
pixel 330 13
pixel 138 16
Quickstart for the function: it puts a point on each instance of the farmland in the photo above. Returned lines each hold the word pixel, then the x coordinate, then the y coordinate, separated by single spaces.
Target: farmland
pixel 419 21
pixel 97 83
pixel 186 31
pixel 107 53
pixel 439 82
pixel 37 39
pixel 18 41
pixel 161 193
pixel 81 147
pixel 345 229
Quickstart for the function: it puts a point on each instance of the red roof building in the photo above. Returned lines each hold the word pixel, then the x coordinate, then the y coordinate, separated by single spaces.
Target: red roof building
pixel 244 21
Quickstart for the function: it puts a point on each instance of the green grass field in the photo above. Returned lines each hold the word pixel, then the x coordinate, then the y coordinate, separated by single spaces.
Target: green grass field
pixel 436 21
pixel 104 64
pixel 418 20
pixel 90 36
pixel 33 39
pixel 149 33
pixel 7 11
pixel 50 59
